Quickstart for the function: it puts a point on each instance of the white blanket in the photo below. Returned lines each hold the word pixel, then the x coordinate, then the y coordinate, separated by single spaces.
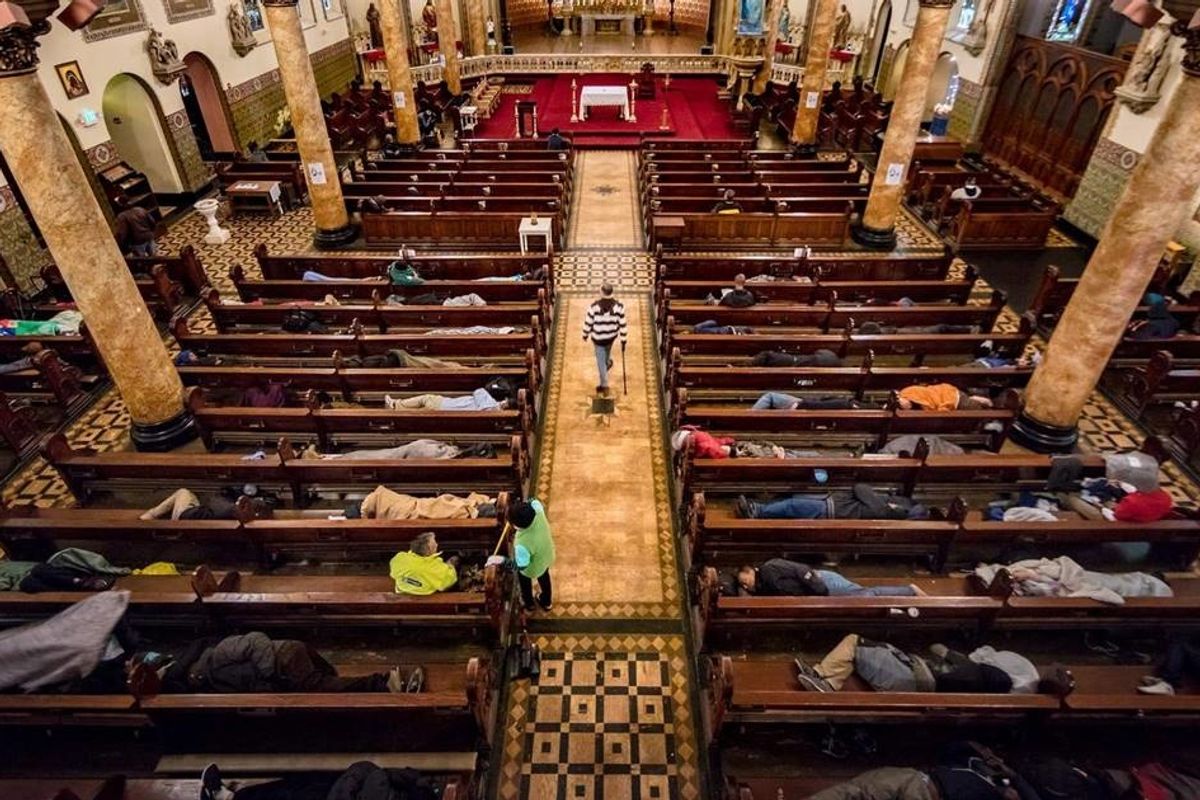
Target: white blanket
pixel 66 647
pixel 1062 577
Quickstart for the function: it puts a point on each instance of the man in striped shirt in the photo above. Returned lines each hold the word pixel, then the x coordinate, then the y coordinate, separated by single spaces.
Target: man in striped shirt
pixel 605 322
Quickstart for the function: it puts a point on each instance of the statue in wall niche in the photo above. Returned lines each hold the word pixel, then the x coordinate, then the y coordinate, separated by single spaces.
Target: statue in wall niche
pixel 1144 80
pixel 841 28
pixel 164 57
pixel 785 22
pixel 375 27
pixel 241 35
pixel 429 20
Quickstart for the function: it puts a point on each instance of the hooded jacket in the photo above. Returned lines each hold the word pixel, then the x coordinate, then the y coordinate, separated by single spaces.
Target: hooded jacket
pixel 421 575
pixel 779 577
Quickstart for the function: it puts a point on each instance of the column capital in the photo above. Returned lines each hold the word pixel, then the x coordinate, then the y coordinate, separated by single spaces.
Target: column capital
pixel 281 3
pixel 18 48
pixel 936 3
pixel 1191 47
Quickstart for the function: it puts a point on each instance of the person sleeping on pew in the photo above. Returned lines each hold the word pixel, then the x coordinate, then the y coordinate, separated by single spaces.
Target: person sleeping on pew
pixel 872 328
pixel 939 397
pixel 538 275
pixel 1159 322
pixel 705 445
pixel 965 771
pixel 1181 664
pixel 861 502
pixel 266 394
pixel 392 359
pixel 390 148
pixel 711 326
pixel 817 358
pixel 190 358
pixel 1128 493
pixel 184 504
pixel 421 570
pixel 989 358
pixel 69 570
pixel 253 662
pixel 779 577
pixel 362 780
pixel 886 668
pixel 780 401
pixel 419 448
pixel 1063 577
pixel 383 503
pixel 479 400
pixel 737 297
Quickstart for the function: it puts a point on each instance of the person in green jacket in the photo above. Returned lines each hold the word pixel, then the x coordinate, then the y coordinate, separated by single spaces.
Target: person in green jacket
pixel 420 569
pixel 533 551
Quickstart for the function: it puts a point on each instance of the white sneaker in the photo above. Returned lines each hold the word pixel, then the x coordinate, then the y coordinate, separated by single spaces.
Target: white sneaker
pixel 1152 685
pixel 390 402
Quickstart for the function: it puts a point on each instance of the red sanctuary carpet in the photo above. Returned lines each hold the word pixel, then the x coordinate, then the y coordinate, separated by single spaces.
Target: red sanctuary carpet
pixel 693 112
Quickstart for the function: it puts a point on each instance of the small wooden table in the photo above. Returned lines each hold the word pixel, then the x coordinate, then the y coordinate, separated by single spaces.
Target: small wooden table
pixel 254 196
pixel 668 230
pixel 532 229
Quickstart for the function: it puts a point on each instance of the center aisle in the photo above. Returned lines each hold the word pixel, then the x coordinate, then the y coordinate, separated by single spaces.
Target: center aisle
pixel 611 715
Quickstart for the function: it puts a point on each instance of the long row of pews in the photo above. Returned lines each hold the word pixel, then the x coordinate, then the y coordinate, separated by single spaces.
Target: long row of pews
pixel 757 713
pixel 290 561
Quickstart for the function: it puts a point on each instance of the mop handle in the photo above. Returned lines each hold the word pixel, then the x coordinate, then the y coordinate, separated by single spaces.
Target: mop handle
pixel 503 536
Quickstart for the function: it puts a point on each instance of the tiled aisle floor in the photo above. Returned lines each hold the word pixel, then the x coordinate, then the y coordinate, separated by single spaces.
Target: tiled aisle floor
pixel 604 212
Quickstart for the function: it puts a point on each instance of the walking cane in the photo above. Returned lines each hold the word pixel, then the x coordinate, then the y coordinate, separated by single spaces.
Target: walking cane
pixel 624 377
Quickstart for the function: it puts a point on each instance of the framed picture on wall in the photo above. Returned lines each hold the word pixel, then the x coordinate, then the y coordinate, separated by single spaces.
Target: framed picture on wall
pixel 180 10
pixel 308 15
pixel 71 78
pixel 332 9
pixel 117 18
pixel 254 14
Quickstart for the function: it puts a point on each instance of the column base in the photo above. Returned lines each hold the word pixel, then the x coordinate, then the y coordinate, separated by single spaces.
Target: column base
pixel 333 239
pixel 1042 437
pixel 872 238
pixel 163 436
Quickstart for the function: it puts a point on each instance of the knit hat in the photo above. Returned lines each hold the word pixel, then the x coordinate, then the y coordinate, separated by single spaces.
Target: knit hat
pixel 522 515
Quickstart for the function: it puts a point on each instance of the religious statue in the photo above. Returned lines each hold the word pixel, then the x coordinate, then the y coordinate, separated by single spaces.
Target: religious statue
pixel 1144 80
pixel 490 28
pixel 785 23
pixel 750 17
pixel 375 27
pixel 241 35
pixel 429 20
pixel 164 57
pixel 841 28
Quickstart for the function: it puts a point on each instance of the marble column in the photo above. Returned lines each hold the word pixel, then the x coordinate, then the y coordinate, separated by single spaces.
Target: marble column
pixel 448 44
pixel 764 74
pixel 1158 197
pixel 878 226
pixel 333 228
pixel 727 27
pixel 78 236
pixel 816 62
pixel 476 30
pixel 395 44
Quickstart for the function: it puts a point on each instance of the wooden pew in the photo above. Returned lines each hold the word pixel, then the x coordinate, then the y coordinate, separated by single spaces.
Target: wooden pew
pixel 448 783
pixel 834 316
pixel 795 293
pixel 470 229
pixel 733 231
pixel 86 472
pixel 972 229
pixel 162 295
pixel 716 267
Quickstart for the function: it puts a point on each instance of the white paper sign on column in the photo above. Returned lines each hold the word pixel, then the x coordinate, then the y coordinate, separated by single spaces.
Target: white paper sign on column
pixel 400 99
pixel 895 174
pixel 316 173
pixel 811 99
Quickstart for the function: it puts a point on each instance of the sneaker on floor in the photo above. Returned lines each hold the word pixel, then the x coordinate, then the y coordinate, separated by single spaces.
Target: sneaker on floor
pixel 1153 685
pixel 743 508
pixel 390 402
pixel 416 681
pixel 395 681
pixel 810 679
pixel 545 606
pixel 211 785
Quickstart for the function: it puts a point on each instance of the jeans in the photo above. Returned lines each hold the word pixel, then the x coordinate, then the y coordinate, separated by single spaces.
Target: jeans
pixel 603 354
pixel 1183 659
pixel 841 586
pixel 527 589
pixel 775 401
pixel 799 506
pixel 146 249
pixel 16 366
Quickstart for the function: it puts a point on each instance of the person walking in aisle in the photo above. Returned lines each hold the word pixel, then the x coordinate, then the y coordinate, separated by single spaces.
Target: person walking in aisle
pixel 533 551
pixel 604 323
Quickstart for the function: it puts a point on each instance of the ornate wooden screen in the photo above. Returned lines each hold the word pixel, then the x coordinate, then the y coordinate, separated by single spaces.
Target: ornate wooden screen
pixel 1050 108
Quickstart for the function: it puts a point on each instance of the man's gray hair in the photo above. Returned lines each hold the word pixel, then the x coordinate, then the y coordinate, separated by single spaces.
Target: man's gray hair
pixel 424 545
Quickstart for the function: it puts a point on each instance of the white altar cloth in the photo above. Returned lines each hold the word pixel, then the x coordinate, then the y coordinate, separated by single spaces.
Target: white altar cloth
pixel 603 96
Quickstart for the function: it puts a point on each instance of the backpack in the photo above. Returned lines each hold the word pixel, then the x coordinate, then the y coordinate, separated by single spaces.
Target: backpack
pixel 404 274
pixel 1054 778
pixel 301 321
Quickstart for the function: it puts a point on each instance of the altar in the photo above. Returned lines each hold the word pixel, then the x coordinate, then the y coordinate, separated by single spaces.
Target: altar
pixel 603 96
pixel 592 23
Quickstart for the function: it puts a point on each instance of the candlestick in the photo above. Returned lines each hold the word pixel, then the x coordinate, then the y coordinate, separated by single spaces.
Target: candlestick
pixel 574 107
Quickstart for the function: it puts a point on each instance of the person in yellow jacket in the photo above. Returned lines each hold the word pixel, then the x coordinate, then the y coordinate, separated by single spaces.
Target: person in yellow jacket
pixel 420 569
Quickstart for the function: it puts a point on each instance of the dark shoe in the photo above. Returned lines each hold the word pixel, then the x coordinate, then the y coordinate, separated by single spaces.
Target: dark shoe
pixel 95 584
pixel 210 782
pixel 610 363
pixel 529 609
pixel 545 606
pixel 416 681
pixel 743 508
pixel 809 679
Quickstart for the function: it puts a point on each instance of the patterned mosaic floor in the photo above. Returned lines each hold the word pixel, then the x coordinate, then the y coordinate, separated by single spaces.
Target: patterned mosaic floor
pixel 609 718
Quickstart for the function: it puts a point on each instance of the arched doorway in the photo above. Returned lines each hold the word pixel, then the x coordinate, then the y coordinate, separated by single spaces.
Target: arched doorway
pixel 205 105
pixel 135 123
pixel 943 86
pixel 883 21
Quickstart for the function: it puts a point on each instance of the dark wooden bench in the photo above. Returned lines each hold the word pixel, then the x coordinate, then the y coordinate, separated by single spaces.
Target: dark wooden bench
pixel 714 267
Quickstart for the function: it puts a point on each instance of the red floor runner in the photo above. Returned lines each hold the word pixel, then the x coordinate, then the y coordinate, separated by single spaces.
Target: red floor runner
pixel 693 112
